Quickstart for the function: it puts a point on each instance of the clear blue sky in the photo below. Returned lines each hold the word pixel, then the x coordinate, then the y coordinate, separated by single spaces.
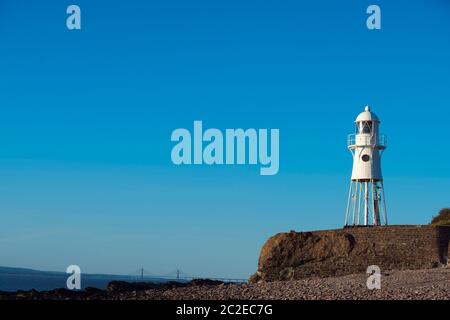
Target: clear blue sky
pixel 86 118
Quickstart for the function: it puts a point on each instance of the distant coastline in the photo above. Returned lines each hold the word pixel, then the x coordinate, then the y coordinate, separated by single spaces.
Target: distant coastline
pixel 14 279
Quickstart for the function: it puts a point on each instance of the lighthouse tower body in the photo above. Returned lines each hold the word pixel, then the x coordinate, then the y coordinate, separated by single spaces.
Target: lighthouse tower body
pixel 366 204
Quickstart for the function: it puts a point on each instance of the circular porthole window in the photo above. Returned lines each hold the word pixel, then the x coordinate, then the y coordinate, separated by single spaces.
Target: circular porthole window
pixel 365 157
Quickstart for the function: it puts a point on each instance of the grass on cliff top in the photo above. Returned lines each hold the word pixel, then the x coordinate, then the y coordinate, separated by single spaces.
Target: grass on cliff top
pixel 443 218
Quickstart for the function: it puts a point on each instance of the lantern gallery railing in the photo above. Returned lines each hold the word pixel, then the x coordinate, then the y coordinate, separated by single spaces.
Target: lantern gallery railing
pixel 366 140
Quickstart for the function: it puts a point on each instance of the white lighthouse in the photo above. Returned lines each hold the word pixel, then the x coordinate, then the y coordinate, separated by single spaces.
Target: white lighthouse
pixel 366 203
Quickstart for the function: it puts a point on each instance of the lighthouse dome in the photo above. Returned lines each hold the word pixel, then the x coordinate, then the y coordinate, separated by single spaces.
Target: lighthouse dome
pixel 367 115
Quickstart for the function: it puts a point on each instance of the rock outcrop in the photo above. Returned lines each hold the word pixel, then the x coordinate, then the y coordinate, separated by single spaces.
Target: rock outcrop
pixel 297 255
pixel 114 290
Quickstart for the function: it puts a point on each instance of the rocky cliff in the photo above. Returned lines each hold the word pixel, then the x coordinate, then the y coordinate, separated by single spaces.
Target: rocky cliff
pixel 297 255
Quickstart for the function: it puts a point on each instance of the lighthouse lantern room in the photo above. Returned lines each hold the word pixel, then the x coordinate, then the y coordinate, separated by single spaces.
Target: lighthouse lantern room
pixel 366 204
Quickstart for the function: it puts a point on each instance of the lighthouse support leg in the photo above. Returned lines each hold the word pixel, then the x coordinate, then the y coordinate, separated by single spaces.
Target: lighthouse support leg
pixel 366 203
pixel 355 203
pixel 348 203
pixel 354 198
pixel 384 205
pixel 374 209
pixel 359 202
